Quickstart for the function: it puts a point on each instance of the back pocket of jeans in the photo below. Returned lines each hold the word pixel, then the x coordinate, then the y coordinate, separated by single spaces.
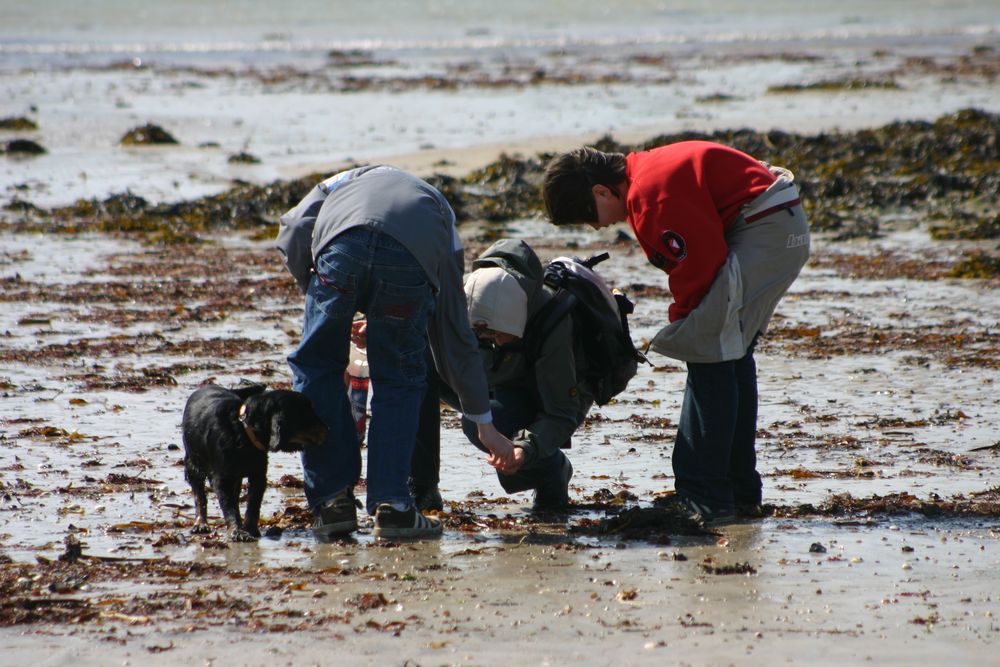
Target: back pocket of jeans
pixel 401 303
pixel 334 290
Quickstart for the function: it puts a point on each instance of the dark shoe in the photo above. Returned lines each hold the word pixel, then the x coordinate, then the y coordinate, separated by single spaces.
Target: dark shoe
pixel 698 512
pixel 427 498
pixel 553 495
pixel 338 516
pixel 408 523
pixel 749 511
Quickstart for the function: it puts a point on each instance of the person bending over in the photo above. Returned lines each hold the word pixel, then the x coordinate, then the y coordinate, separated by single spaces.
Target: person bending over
pixel 731 235
pixel 539 397
pixel 382 242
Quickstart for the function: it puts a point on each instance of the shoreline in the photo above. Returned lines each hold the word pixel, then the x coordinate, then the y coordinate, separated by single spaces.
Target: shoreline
pixel 856 183
pixel 303 125
pixel 463 160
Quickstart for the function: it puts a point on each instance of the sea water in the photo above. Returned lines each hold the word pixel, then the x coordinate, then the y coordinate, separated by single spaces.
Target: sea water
pixel 62 32
pixel 268 78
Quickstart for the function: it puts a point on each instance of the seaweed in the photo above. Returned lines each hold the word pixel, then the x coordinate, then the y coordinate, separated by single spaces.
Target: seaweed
pixel 653 524
pixel 946 171
pixel 243 158
pixel 18 124
pixel 147 135
pixel 835 85
pixel 24 147
pixel 967 225
pixel 977 265
pixel 976 504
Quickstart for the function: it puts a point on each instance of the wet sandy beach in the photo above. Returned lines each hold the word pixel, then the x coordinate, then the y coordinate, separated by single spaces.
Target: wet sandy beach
pixel 131 275
pixel 90 452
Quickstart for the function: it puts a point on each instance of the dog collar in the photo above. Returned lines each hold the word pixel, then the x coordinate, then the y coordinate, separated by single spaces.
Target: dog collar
pixel 254 440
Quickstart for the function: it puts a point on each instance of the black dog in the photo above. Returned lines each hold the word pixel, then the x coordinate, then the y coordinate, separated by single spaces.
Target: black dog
pixel 227 436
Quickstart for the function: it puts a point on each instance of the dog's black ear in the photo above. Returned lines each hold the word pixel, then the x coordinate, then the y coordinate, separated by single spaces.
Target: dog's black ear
pixel 245 391
pixel 275 443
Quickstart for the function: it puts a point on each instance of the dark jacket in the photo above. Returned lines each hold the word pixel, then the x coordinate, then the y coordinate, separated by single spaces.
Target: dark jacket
pixel 549 371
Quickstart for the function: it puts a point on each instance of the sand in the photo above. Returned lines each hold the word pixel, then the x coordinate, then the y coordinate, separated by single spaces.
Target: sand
pixel 888 588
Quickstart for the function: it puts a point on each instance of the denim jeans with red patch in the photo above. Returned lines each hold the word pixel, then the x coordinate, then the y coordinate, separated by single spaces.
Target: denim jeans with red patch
pixel 364 270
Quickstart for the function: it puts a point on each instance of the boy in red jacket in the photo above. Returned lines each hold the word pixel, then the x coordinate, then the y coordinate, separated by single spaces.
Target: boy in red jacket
pixel 731 235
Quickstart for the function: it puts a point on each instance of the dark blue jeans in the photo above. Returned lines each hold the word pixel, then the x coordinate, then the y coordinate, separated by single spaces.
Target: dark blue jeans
pixel 513 410
pixel 714 459
pixel 363 270
pixel 426 462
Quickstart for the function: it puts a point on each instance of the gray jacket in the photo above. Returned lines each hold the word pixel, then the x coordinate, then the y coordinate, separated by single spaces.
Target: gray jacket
pixel 563 400
pixel 418 216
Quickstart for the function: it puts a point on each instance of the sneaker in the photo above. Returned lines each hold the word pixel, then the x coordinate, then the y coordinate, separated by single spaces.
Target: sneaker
pixel 428 498
pixel 391 522
pixel 337 516
pixel 554 496
pixel 749 511
pixel 697 511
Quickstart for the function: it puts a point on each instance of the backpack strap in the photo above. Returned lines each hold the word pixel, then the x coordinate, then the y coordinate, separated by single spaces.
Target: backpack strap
pixel 562 304
pixel 544 322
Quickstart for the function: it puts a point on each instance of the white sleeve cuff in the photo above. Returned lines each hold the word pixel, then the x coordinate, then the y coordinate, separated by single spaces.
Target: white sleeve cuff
pixel 484 418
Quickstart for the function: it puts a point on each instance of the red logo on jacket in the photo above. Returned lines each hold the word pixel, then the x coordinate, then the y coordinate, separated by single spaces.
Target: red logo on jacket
pixel 676 247
pixel 676 251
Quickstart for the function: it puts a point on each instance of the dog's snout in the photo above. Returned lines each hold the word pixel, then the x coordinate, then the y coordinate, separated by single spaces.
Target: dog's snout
pixel 308 438
pixel 316 436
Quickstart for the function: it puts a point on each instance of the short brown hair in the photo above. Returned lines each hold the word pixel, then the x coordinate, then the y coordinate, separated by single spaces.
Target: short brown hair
pixel 569 179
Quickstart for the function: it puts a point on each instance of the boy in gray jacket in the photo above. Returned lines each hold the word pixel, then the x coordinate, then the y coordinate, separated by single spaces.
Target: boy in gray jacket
pixel 382 242
pixel 539 397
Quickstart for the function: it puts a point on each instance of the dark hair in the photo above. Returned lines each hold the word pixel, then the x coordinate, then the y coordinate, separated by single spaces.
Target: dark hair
pixel 569 179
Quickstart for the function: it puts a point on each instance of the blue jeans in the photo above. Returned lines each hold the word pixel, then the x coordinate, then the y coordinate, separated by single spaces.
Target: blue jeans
pixel 514 410
pixel 363 270
pixel 714 459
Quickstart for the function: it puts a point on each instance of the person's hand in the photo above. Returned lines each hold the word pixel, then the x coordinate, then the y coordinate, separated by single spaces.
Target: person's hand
pixel 359 333
pixel 514 467
pixel 501 449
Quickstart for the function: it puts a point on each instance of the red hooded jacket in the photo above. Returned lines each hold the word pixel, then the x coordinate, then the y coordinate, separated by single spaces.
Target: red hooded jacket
pixel 681 199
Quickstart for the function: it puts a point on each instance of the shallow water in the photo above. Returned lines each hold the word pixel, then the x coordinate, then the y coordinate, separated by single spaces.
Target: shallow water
pixel 206 29
pixel 246 79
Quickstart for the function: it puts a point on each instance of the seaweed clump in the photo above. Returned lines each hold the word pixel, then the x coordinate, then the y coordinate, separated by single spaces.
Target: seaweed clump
pixel 18 124
pixel 976 504
pixel 836 85
pixel 968 226
pixel 23 147
pixel 977 265
pixel 243 158
pixel 653 524
pixel 242 207
pixel 945 170
pixel 506 189
pixel 147 135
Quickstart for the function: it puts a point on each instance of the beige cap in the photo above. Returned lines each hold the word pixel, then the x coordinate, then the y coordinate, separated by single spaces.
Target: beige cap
pixel 496 300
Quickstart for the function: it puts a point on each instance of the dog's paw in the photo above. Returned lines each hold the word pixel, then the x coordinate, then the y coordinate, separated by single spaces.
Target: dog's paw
pixel 241 535
pixel 200 529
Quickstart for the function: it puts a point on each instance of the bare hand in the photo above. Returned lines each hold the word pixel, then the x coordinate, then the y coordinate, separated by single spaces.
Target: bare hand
pixel 501 449
pixel 513 468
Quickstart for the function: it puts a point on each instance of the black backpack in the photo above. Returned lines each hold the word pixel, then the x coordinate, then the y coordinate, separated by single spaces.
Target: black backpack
pixel 600 324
